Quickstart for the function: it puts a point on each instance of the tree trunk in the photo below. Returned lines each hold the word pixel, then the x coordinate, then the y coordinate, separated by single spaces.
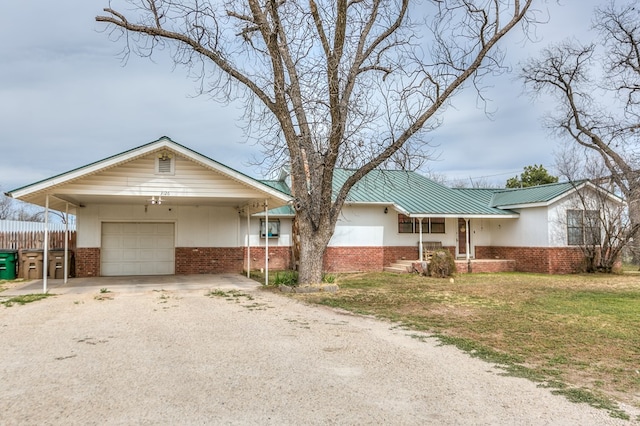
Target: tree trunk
pixel 633 200
pixel 313 244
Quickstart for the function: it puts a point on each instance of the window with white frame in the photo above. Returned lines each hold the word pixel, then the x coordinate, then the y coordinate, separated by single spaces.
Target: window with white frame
pixel 583 227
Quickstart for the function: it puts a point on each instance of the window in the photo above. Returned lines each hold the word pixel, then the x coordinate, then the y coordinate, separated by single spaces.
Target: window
pixel 436 225
pixel 274 228
pixel 405 224
pixel 408 225
pixel 583 227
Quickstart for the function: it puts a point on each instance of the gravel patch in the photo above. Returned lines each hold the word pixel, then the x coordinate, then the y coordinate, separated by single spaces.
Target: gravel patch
pixel 249 357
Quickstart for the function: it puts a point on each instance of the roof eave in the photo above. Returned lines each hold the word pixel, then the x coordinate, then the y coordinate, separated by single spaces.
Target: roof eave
pixel 466 215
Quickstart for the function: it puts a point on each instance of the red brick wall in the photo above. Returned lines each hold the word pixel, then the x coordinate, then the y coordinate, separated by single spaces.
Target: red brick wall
pixel 87 262
pixel 393 254
pixel 279 257
pixel 208 260
pixel 546 260
pixel 352 259
pixel 490 265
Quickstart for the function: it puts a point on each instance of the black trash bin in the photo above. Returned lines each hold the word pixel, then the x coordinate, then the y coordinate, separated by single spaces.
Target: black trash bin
pixel 8 264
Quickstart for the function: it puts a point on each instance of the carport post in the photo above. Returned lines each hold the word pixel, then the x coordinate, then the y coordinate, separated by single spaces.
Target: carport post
pixel 266 242
pixel 467 237
pixel 45 244
pixel 66 242
pixel 420 243
pixel 248 242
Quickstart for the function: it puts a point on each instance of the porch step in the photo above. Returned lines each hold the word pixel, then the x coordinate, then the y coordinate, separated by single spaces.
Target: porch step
pixel 400 267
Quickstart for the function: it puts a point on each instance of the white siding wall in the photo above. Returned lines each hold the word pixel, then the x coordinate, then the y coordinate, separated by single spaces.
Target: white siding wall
pixel 369 226
pixel 529 230
pixel 481 232
pixel 283 240
pixel 558 219
pixel 203 226
pixel 138 179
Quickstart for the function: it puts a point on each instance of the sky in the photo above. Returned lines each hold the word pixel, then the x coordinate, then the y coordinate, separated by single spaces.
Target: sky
pixel 67 100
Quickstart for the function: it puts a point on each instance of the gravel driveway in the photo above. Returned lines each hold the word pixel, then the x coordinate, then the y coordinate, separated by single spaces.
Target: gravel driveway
pixel 181 357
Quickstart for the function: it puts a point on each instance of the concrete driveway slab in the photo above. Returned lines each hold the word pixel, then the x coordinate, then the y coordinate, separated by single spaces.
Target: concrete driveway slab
pixel 135 284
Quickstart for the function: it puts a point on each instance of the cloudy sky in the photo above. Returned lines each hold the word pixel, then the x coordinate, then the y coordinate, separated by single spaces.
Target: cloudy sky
pixel 66 100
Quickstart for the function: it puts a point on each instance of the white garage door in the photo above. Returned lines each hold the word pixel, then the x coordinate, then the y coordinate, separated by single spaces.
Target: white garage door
pixel 137 249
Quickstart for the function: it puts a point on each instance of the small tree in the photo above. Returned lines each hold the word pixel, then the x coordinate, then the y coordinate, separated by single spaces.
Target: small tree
pixel 596 221
pixel 531 176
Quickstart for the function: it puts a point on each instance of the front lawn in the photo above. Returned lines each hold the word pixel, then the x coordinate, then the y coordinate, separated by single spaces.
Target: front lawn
pixel 579 334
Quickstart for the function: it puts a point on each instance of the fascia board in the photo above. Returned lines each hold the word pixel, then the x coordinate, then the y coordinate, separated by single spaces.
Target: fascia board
pixel 525 206
pixel 395 206
pixel 467 216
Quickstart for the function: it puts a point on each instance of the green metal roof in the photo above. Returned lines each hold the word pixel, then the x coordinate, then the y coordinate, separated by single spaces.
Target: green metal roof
pixel 483 195
pixel 413 193
pixel 280 185
pixel 532 195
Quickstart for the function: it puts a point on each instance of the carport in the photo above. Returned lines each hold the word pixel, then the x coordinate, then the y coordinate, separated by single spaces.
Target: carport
pixel 159 209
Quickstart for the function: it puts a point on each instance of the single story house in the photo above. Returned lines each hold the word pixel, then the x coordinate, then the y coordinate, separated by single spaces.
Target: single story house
pixel 162 208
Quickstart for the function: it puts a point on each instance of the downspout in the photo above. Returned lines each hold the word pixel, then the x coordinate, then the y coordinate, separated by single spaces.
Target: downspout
pixel 266 242
pixel 65 268
pixel 45 253
pixel 248 243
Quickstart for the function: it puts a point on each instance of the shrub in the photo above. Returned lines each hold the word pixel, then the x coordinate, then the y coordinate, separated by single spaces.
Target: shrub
pixel 288 278
pixel 328 278
pixel 442 264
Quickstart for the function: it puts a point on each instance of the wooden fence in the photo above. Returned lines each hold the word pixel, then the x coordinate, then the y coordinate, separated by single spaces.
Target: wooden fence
pixel 16 235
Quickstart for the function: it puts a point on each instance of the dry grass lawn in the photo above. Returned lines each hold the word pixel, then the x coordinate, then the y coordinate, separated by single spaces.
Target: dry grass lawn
pixel 579 334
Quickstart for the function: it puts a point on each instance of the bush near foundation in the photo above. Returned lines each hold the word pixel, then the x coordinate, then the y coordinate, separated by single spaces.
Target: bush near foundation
pixel 442 264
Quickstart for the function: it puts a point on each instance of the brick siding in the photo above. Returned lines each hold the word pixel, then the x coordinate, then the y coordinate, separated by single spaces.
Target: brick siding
pixel 393 254
pixel 279 257
pixel 211 260
pixel 546 260
pixel 353 259
pixel 208 260
pixel 87 262
pixel 486 265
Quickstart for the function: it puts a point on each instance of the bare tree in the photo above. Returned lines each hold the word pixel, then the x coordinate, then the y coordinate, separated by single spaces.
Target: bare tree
pixel 5 207
pixel 328 83
pixel 597 91
pixel 11 209
pixel 596 221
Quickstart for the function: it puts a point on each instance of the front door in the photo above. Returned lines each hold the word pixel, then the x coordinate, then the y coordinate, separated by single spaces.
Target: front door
pixel 462 237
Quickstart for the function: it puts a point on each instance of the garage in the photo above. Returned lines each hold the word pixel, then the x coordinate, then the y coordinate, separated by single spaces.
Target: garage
pixel 137 248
